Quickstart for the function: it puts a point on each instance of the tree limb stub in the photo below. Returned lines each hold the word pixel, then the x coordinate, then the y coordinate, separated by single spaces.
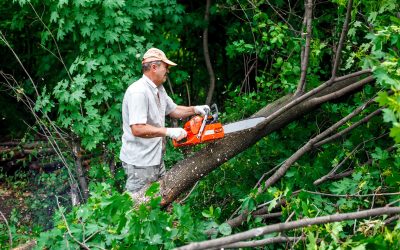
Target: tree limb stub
pixel 187 172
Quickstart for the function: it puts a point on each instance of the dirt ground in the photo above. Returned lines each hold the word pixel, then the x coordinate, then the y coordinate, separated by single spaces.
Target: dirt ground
pixel 11 199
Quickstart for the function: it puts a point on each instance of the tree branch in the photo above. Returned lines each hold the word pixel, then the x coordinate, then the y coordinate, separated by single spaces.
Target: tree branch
pixel 309 145
pixel 342 37
pixel 350 195
pixel 346 130
pixel 259 243
pixel 207 54
pixel 317 100
pixel 332 174
pixel 305 56
pixel 288 226
pixel 343 91
pixel 79 169
pixel 84 246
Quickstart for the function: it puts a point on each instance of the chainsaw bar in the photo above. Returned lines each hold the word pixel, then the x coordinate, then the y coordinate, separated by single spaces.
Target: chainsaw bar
pixel 242 125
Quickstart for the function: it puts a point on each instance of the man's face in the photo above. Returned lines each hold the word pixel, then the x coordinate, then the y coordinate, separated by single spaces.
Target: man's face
pixel 161 73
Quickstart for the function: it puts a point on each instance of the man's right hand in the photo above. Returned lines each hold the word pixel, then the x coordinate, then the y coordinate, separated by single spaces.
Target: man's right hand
pixel 176 133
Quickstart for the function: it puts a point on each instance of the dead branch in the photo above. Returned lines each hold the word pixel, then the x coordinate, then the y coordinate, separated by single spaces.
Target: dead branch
pixel 220 242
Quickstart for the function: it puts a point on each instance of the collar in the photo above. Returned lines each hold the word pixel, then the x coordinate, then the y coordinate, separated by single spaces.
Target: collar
pixel 150 82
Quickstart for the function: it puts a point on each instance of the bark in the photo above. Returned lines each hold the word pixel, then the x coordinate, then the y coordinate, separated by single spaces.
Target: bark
pixel 280 227
pixel 187 172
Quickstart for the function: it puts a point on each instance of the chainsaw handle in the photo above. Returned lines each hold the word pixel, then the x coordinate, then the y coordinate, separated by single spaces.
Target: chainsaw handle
pixel 215 108
pixel 203 124
pixel 213 117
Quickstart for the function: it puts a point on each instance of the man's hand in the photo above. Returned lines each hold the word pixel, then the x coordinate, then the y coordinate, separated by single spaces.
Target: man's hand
pixel 201 109
pixel 176 133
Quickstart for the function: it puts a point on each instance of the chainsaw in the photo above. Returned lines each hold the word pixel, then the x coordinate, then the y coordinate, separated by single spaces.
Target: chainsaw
pixel 201 129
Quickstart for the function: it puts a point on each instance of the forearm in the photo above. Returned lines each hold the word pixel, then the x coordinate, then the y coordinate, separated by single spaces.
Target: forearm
pixel 182 112
pixel 147 131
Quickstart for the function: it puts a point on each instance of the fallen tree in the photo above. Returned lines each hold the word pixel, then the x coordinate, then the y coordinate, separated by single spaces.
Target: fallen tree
pixel 187 172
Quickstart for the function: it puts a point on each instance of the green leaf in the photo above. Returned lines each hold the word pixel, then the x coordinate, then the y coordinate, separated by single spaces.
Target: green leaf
pixel 380 154
pixel 153 189
pixel 54 16
pixel 382 98
pixel 206 214
pixel 383 77
pixel 111 36
pixel 395 133
pixel 77 95
pixel 389 115
pixel 225 229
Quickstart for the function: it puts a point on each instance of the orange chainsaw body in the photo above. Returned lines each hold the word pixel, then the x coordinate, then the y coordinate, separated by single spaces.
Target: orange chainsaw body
pixel 211 132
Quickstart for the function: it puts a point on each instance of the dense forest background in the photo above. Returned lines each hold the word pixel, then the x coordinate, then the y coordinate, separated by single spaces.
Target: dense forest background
pixel 322 171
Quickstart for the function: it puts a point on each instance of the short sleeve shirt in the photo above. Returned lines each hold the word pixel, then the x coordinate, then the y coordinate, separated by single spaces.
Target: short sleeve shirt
pixel 144 103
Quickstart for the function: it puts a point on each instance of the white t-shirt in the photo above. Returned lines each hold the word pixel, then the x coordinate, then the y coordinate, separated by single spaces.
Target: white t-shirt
pixel 142 105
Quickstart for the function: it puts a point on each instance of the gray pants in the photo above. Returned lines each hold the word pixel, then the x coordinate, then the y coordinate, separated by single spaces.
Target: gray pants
pixel 140 176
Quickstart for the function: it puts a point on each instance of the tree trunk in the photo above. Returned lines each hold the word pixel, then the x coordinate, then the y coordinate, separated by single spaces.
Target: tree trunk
pixel 207 54
pixel 80 171
pixel 187 172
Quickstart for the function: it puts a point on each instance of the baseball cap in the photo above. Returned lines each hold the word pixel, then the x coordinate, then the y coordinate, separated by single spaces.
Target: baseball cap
pixel 155 54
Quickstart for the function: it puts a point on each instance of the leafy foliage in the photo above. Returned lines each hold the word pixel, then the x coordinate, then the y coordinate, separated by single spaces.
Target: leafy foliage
pixel 110 219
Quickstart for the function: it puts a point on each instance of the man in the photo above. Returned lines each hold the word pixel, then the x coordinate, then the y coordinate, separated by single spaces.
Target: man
pixel 144 108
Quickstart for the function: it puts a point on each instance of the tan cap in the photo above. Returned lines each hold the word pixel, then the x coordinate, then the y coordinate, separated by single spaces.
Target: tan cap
pixel 155 54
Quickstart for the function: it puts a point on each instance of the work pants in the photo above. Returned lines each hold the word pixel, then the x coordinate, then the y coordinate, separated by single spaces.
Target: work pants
pixel 140 176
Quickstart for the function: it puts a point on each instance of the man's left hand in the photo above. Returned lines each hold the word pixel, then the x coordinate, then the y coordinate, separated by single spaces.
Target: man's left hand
pixel 201 109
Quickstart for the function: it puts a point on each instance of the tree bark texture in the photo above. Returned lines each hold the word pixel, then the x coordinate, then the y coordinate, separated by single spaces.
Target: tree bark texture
pixel 187 172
